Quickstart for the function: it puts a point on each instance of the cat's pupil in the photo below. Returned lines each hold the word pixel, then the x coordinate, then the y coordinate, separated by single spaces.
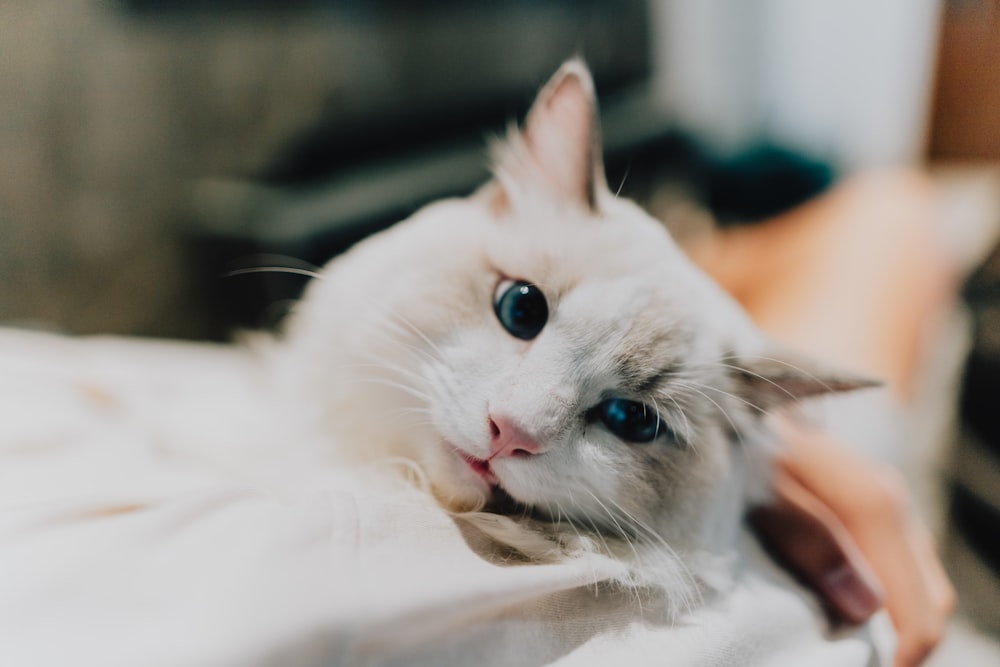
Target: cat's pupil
pixel 631 421
pixel 521 309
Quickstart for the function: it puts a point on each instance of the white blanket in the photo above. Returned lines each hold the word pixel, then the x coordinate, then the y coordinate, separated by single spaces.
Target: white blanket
pixel 134 530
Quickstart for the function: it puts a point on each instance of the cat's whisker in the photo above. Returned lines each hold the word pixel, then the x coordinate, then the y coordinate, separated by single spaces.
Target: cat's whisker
pixel 276 263
pixel 798 369
pixel 593 526
pixel 576 531
pixel 274 269
pixel 684 589
pixel 656 409
pixel 400 324
pixel 621 185
pixel 395 334
pixel 792 397
pixel 420 334
pixel 726 393
pixel 412 409
pixel 398 340
pixel 556 512
pixel 689 434
pixel 277 309
pixel 412 412
pixel 406 373
pixel 599 534
pixel 646 530
pixel 743 448
pixel 408 382
pixel 625 536
pixel 725 414
pixel 524 511
pixel 412 391
pixel 559 514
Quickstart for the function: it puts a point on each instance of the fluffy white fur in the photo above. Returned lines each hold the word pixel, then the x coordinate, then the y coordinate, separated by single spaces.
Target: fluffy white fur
pixel 397 354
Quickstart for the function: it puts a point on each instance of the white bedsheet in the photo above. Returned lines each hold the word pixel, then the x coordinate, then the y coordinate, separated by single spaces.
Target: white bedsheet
pixel 136 531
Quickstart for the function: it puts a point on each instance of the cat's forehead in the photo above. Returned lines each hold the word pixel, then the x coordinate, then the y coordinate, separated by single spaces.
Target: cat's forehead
pixel 638 318
pixel 560 250
pixel 616 282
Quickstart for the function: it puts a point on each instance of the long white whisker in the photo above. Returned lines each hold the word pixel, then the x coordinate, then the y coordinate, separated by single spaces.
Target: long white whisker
pixel 621 530
pixel 394 368
pixel 725 414
pixel 625 536
pixel 726 393
pixel 783 362
pixel 274 269
pixel 412 391
pixel 745 451
pixel 398 340
pixel 412 409
pixel 580 538
pixel 760 377
pixel 688 429
pixel 596 531
pixel 621 185
pixel 658 539
pixel 420 334
pixel 656 409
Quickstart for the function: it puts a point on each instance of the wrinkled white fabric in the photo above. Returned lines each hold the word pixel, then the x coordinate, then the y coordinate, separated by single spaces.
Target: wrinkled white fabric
pixel 134 530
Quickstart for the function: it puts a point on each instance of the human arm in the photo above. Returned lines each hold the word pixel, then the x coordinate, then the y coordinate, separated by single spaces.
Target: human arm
pixel 855 278
pixel 846 528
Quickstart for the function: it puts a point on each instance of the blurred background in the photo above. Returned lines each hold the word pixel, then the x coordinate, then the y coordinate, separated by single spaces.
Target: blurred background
pixel 151 151
pixel 145 145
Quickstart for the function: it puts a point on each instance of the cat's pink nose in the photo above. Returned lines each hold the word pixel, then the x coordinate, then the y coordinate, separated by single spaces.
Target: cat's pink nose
pixel 509 439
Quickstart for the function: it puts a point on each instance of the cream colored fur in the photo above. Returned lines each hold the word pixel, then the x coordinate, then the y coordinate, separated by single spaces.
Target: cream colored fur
pixel 396 354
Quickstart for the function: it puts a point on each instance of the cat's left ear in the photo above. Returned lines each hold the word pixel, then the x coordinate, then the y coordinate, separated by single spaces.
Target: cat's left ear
pixel 562 135
pixel 771 382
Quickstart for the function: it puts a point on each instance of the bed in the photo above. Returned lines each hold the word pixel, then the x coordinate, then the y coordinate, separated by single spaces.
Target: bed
pixel 135 531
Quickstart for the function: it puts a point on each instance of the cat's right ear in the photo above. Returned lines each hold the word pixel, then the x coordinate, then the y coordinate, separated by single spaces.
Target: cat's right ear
pixel 559 147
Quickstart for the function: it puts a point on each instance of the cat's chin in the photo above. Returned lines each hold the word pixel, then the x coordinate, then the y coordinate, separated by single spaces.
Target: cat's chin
pixel 456 485
pixel 458 499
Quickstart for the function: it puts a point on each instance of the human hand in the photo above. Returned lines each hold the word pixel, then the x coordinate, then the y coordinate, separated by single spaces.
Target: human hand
pixel 845 527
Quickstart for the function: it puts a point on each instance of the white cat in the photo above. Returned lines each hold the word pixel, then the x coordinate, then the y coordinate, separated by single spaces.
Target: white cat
pixel 542 348
pixel 564 382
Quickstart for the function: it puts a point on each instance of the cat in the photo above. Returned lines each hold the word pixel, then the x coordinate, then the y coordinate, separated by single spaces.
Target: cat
pixel 542 350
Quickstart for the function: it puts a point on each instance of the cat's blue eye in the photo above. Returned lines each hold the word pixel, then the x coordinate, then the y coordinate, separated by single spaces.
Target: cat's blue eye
pixel 631 421
pixel 521 308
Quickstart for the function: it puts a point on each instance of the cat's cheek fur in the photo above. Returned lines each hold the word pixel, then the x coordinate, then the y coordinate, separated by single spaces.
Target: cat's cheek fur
pixel 569 480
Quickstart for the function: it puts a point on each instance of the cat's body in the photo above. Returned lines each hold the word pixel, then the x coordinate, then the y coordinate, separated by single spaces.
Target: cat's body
pixel 534 375
pixel 628 400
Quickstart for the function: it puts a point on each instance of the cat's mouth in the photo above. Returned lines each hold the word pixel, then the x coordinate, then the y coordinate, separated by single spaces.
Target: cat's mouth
pixel 481 467
pixel 499 500
pixel 497 497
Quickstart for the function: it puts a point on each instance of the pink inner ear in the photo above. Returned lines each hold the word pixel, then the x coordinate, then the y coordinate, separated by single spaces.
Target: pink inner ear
pixel 560 136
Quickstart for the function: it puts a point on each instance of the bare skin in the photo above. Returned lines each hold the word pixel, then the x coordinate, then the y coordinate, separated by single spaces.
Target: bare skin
pixel 854 277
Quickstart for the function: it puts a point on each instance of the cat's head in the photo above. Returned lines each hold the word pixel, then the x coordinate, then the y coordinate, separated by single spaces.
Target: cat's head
pixel 547 342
